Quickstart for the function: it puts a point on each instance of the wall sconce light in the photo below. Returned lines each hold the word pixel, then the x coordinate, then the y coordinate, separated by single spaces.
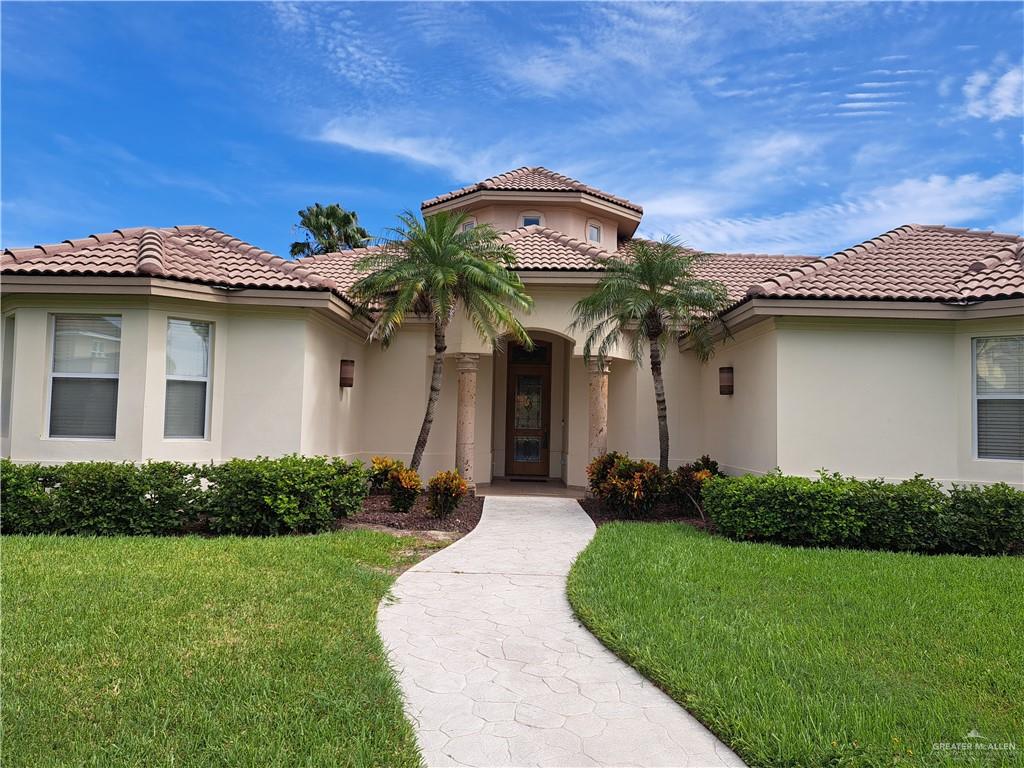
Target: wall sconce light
pixel 348 373
pixel 725 380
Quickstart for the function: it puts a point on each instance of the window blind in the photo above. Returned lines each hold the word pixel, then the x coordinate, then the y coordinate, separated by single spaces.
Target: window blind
pixel 84 376
pixel 188 378
pixel 999 396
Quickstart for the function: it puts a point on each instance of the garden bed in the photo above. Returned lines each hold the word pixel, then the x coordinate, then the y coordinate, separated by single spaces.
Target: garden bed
pixel 377 512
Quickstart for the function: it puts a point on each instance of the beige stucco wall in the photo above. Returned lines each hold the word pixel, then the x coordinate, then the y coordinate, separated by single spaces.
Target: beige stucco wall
pixel 881 398
pixel 863 397
pixel 565 219
pixel 255 403
pixel 740 430
pixel 632 410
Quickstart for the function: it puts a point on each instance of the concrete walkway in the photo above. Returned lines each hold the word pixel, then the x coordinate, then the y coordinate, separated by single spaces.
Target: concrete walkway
pixel 496 670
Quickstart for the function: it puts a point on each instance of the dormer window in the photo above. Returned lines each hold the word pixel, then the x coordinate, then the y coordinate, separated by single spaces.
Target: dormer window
pixel 531 219
pixel 593 232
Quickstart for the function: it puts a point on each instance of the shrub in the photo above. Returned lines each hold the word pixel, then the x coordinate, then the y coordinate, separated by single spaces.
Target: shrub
pixel 902 517
pixel 631 487
pixel 292 494
pixel 349 487
pixel 446 490
pixel 684 487
pixel 706 464
pixel 983 520
pixel 404 486
pixel 103 498
pixel 833 511
pixel 598 469
pixel 381 468
pixel 25 497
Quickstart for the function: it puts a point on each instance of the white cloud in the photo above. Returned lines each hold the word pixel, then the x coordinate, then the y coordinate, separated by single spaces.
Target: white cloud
pixel 995 98
pixel 822 229
pixel 340 43
pixel 373 136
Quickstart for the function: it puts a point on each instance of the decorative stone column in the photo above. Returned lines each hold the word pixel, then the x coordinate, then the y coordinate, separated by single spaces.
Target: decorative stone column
pixel 465 428
pixel 598 409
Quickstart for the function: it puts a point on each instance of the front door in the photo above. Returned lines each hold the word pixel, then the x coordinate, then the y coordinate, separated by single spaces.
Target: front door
pixel 528 419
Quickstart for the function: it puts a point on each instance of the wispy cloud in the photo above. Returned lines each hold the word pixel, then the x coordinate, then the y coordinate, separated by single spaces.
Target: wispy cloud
pixel 131 170
pixel 995 97
pixel 458 161
pixel 341 43
pixel 817 229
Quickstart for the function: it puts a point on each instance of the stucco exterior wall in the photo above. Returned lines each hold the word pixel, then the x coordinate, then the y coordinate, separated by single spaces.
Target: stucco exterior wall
pixel 257 359
pixel 332 415
pixel 740 430
pixel 876 398
pixel 862 397
pixel 632 410
pixel 568 220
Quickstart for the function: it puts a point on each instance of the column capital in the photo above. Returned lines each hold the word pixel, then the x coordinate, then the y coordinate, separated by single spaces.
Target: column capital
pixel 467 361
pixel 599 366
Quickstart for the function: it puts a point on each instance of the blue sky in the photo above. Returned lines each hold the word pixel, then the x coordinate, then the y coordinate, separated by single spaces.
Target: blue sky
pixel 799 128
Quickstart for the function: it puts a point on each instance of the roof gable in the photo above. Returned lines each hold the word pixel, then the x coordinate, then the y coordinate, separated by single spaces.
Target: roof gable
pixel 531 179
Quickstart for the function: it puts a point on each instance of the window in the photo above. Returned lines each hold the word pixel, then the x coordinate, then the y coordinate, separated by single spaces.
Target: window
pixel 530 219
pixel 84 376
pixel 468 225
pixel 593 232
pixel 999 397
pixel 8 374
pixel 188 379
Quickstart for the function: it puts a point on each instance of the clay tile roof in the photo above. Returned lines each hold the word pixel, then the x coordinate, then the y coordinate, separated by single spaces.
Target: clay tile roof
pixel 912 262
pixel 189 253
pixel 340 267
pixel 531 179
pixel 736 270
pixel 542 248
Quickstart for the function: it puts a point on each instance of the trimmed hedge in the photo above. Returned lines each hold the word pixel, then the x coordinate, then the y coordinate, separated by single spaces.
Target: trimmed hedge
pixel 833 511
pixel 292 494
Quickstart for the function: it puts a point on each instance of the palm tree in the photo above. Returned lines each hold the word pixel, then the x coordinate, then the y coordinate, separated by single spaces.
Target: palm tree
pixel 430 267
pixel 643 296
pixel 328 229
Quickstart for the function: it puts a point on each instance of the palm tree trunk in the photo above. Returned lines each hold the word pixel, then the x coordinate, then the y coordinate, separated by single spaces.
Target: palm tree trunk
pixel 659 397
pixel 435 391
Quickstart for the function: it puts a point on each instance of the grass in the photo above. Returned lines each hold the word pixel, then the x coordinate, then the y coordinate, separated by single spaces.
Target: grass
pixel 803 657
pixel 200 652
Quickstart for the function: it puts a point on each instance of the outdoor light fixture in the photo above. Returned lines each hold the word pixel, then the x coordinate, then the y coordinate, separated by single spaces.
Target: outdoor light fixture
pixel 725 380
pixel 348 373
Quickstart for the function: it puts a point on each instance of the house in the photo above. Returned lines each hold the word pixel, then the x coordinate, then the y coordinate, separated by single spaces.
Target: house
pixel 900 355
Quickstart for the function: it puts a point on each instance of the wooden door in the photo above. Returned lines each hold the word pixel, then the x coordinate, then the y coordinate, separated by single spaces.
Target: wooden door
pixel 528 415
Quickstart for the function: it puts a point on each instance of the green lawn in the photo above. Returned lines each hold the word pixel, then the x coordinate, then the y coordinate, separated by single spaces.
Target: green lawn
pixel 800 657
pixel 199 652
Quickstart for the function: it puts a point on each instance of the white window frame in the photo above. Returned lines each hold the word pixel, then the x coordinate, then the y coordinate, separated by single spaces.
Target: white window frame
pixel 975 397
pixel 52 375
pixel 533 215
pixel 598 227
pixel 208 379
pixel 468 224
pixel 7 349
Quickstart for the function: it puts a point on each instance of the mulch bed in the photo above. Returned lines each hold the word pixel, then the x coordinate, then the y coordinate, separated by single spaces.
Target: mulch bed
pixel 663 513
pixel 377 512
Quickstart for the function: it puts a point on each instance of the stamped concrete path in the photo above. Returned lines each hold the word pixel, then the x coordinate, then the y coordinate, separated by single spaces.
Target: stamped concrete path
pixel 497 671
